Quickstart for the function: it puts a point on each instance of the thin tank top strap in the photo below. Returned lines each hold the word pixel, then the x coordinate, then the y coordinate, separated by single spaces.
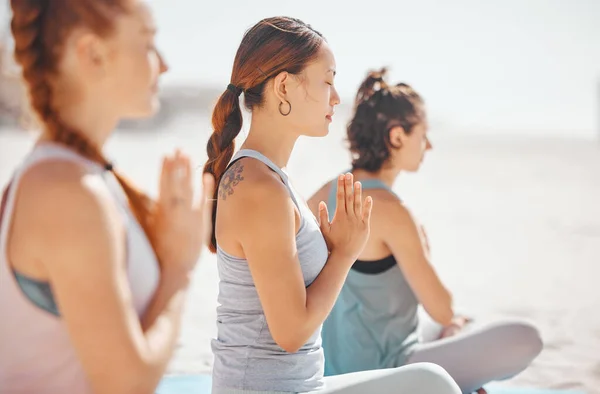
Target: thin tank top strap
pixel 269 163
pixel 375 184
pixel 50 150
pixel 259 156
pixel 370 184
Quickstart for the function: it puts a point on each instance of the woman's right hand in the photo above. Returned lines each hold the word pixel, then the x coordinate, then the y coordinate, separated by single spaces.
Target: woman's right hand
pixel 348 232
pixel 181 225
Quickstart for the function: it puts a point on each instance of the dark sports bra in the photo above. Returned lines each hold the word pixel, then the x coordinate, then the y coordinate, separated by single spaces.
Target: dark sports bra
pixel 374 266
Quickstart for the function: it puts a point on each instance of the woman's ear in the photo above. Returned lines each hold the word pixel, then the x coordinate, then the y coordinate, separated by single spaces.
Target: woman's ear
pixel 397 137
pixel 91 54
pixel 280 86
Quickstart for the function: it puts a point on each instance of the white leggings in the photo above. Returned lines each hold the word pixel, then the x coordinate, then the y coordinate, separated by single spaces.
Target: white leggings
pixel 421 378
pixel 480 353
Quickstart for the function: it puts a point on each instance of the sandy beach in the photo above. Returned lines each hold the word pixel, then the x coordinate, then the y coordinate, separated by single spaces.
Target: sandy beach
pixel 513 221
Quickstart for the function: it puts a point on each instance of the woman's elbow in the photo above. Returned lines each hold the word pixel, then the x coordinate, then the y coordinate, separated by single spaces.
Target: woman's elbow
pixel 290 340
pixel 290 346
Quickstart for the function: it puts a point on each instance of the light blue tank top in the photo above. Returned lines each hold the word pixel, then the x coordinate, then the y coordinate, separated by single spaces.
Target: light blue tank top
pixel 246 356
pixel 373 324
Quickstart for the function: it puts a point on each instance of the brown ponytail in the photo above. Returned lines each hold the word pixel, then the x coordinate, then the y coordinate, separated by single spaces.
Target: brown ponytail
pixel 39 28
pixel 378 107
pixel 227 123
pixel 373 83
pixel 270 47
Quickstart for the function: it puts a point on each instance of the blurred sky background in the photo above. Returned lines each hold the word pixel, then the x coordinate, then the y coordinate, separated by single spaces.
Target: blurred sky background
pixel 508 66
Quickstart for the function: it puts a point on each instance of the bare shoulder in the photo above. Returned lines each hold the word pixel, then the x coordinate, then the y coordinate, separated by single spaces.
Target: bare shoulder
pixel 400 231
pixel 232 178
pixel 248 181
pixel 389 211
pixel 252 194
pixel 60 203
pixel 61 184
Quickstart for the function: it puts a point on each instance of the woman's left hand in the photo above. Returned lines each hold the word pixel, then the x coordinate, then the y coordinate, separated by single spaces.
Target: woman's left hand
pixel 457 324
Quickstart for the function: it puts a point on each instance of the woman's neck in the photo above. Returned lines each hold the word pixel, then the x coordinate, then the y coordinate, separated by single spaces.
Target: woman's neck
pixel 94 125
pixel 386 175
pixel 272 138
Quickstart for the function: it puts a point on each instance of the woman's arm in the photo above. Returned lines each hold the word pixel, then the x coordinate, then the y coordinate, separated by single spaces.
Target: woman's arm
pixel 293 311
pixel 409 246
pixel 77 233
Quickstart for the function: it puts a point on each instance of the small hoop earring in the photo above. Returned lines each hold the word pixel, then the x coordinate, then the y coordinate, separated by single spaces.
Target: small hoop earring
pixel 288 112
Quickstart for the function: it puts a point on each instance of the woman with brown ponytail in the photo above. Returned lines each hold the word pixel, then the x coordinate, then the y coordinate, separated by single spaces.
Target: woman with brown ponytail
pixel 280 270
pixel 93 273
pixel 374 323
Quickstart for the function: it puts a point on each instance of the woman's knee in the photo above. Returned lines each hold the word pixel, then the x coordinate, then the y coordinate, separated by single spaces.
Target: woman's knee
pixel 514 346
pixel 523 341
pixel 431 378
pixel 418 378
pixel 533 340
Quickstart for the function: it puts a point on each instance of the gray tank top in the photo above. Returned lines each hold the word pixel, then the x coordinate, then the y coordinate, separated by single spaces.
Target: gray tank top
pixel 373 324
pixel 246 356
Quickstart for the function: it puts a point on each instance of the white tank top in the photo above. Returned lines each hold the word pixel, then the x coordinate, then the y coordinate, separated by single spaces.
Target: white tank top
pixel 36 354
